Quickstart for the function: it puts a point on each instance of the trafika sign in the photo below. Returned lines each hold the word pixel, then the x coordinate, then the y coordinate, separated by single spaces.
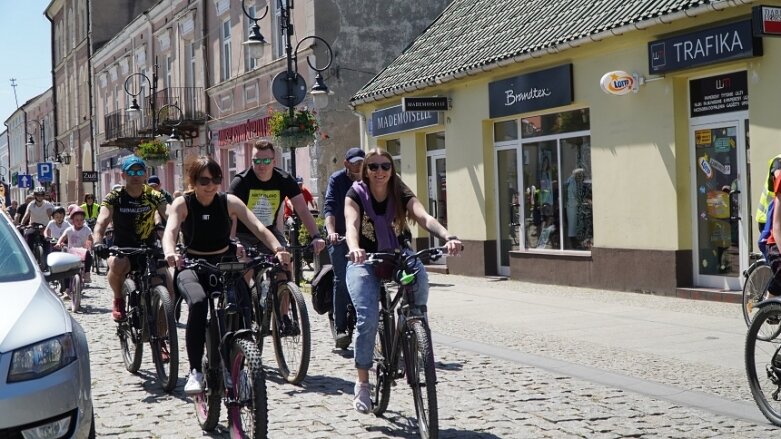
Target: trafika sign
pixel 617 82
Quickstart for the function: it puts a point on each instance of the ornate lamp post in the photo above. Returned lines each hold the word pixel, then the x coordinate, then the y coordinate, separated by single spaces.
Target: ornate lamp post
pixel 58 157
pixel 288 87
pixel 134 111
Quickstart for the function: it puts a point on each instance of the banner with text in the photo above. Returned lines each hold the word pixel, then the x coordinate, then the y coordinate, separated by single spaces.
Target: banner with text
pixel 532 91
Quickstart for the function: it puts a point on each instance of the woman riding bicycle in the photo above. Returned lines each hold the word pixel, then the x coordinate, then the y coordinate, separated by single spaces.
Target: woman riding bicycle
pixel 205 215
pixel 376 211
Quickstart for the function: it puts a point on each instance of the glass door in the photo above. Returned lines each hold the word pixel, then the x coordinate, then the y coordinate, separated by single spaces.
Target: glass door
pixel 437 194
pixel 509 206
pixel 720 237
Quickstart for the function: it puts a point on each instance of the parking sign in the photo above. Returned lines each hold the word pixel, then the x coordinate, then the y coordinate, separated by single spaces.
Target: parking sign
pixel 45 172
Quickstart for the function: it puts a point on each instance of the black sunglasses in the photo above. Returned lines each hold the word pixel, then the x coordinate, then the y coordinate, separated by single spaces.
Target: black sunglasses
pixel 386 166
pixel 204 181
pixel 264 161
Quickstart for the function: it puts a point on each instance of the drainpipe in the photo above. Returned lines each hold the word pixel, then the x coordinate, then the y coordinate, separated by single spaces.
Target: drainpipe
pixel 90 84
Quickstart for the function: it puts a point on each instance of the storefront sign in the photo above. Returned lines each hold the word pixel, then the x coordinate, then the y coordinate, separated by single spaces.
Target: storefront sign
pixel 767 20
pixel 89 176
pixel 617 82
pixel 395 119
pixel 243 132
pixel 531 92
pixel 727 42
pixel 427 103
pixel 719 94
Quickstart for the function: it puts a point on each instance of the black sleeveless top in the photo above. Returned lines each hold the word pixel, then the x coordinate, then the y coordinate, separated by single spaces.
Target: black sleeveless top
pixel 206 228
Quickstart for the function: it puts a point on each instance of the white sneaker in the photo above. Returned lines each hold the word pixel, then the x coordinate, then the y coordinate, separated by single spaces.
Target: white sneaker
pixel 194 384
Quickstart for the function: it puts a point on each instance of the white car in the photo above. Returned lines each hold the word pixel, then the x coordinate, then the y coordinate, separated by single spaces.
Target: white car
pixel 44 361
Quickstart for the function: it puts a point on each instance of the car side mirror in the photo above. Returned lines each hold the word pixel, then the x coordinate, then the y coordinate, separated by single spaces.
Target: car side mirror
pixel 62 266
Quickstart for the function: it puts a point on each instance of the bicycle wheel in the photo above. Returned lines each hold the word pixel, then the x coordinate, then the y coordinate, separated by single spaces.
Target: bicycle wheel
pixel 75 289
pixel 249 416
pixel 162 338
pixel 754 289
pixel 39 257
pixel 763 362
pixel 207 403
pixel 129 335
pixel 381 374
pixel 422 377
pixel 293 341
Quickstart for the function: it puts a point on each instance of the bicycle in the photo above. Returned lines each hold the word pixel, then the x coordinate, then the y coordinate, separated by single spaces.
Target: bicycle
pixel 76 284
pixel 36 243
pixel 758 276
pixel 290 332
pixel 763 359
pixel 406 338
pixel 351 316
pixel 145 303
pixel 232 362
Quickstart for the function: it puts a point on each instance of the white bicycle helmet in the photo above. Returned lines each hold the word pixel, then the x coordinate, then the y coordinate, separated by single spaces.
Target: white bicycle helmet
pixel 40 190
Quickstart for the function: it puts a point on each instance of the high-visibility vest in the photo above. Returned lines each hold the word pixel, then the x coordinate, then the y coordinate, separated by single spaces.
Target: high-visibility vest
pixel 767 194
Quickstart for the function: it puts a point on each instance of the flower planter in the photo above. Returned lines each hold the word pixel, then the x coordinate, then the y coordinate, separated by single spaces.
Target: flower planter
pixel 297 140
pixel 155 159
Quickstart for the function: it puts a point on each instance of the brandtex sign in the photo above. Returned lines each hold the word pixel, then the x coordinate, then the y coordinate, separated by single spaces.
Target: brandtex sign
pixel 242 132
pixel 717 44
pixel 395 119
pixel 530 92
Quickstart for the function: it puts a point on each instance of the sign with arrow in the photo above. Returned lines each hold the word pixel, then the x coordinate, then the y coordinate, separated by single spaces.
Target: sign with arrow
pixel 24 180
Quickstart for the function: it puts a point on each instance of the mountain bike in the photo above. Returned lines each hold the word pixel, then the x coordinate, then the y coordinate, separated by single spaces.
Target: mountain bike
pixel 232 362
pixel 758 276
pixel 763 359
pixel 36 242
pixel 280 312
pixel 403 345
pixel 150 315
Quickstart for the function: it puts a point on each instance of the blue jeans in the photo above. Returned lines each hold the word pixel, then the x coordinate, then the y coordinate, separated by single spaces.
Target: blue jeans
pixel 338 253
pixel 364 288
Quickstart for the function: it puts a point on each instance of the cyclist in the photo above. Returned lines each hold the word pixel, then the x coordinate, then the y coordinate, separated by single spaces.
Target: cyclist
pixel 263 187
pixel 132 209
pixel 91 209
pixel 79 235
pixel 205 217
pixel 23 209
pixel 338 184
pixel 38 212
pixel 376 212
pixel 57 225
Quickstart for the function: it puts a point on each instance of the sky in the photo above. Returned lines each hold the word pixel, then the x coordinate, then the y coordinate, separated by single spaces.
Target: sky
pixel 25 53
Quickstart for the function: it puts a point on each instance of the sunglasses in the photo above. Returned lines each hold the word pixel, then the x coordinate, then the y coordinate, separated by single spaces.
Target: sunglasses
pixel 386 166
pixel 204 181
pixel 264 161
pixel 135 172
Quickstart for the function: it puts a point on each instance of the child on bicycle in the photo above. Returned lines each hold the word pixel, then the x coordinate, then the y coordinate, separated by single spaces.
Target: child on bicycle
pixel 56 226
pixel 79 240
pixel 376 212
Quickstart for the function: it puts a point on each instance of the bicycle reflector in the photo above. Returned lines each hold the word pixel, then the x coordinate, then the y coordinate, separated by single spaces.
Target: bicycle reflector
pixel 407 278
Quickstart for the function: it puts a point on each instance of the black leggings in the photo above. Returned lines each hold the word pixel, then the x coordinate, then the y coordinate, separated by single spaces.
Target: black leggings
pixel 190 285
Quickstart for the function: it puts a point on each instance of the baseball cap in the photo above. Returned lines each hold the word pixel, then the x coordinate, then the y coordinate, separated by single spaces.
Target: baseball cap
pixel 354 155
pixel 153 180
pixel 299 180
pixel 131 161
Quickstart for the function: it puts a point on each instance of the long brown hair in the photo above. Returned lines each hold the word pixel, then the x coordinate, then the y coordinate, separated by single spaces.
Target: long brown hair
pixel 394 187
pixel 196 165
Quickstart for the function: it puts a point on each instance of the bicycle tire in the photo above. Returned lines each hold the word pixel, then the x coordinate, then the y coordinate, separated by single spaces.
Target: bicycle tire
pixel 129 337
pixel 250 414
pixel 422 378
pixel 768 366
pixel 75 289
pixel 207 403
pixel 381 375
pixel 754 289
pixel 162 307
pixel 39 257
pixel 292 365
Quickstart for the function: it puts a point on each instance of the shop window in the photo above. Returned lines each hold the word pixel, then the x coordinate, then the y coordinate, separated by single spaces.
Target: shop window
pixel 393 147
pixel 435 141
pixel 556 123
pixel 505 131
pixel 232 165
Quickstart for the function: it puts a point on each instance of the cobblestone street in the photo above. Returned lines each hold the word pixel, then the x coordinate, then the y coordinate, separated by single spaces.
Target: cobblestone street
pixel 493 383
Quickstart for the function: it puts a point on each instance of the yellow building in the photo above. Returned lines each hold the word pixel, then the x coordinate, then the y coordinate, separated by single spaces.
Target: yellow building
pixel 605 145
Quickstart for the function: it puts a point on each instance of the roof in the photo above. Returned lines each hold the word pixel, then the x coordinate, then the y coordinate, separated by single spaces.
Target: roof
pixel 474 35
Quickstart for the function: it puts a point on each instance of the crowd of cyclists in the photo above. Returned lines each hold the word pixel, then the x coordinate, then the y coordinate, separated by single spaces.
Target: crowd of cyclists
pixel 367 208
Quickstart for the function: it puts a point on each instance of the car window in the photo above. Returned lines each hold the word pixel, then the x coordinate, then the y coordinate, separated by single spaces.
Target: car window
pixel 15 263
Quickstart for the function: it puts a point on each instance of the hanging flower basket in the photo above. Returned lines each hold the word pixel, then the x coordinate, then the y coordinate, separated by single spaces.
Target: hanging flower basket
pixel 154 152
pixel 293 131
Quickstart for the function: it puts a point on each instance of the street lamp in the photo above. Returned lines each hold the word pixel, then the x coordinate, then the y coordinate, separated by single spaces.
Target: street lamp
pixel 288 87
pixel 134 110
pixel 59 157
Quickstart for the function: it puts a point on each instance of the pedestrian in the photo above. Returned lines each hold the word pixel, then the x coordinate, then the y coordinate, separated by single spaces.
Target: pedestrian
pixel 154 182
pixel 262 187
pixel 774 168
pixel 376 213
pixel 333 211
pixel 12 209
pixel 23 208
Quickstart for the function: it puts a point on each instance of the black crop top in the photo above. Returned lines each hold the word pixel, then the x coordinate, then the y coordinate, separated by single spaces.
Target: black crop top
pixel 206 228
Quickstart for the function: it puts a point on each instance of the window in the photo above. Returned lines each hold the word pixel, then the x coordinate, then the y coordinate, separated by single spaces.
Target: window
pixel 249 62
pixel 278 37
pixel 393 146
pixel 191 56
pixel 435 141
pixel 225 51
pixel 232 165
pixel 506 131
pixel 169 67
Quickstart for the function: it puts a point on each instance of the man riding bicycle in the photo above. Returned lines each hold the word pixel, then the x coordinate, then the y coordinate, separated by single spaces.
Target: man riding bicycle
pixel 38 212
pixel 91 210
pixel 205 217
pixel 132 209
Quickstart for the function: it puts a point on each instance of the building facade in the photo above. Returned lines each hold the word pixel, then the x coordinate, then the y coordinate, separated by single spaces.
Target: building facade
pixel 611 152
